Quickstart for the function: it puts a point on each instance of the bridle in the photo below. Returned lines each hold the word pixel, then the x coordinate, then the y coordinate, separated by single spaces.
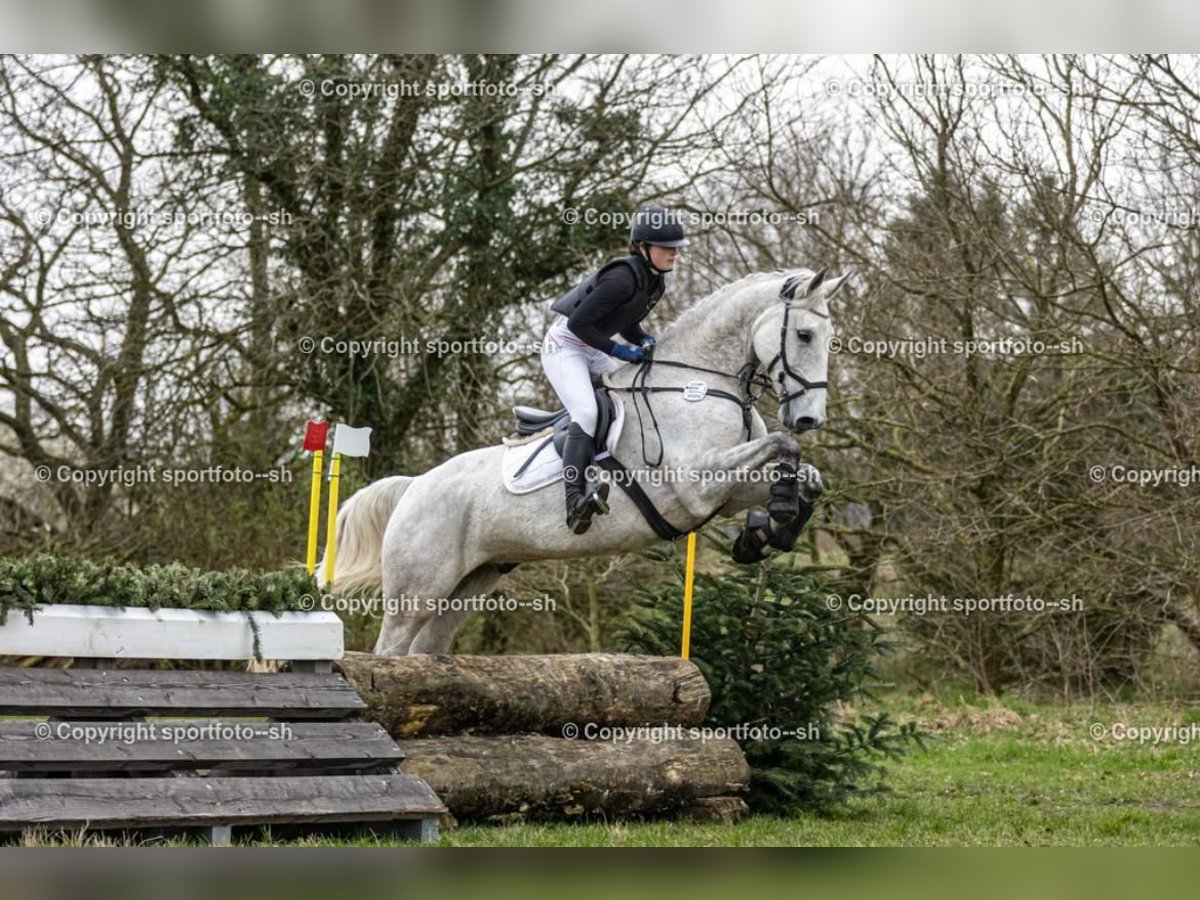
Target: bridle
pixel 786 369
pixel 747 378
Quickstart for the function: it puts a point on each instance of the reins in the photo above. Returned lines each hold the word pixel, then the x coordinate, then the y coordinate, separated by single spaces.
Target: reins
pixel 642 391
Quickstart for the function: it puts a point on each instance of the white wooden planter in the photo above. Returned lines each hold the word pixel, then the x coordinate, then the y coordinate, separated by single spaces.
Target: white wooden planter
pixel 109 632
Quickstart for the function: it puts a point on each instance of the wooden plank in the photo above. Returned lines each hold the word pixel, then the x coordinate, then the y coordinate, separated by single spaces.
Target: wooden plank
pixel 109 693
pixel 99 803
pixel 132 633
pixel 182 744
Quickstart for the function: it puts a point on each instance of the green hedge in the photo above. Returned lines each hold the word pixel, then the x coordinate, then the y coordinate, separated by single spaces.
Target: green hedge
pixel 29 582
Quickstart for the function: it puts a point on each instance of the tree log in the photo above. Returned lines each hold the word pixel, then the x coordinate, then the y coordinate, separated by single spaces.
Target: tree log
pixel 717 810
pixel 539 778
pixel 436 694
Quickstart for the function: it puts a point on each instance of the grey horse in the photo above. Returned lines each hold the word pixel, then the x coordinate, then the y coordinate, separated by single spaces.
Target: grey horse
pixel 454 530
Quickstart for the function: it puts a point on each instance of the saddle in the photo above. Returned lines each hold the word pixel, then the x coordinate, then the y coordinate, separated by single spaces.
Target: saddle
pixel 525 468
pixel 531 421
pixel 532 457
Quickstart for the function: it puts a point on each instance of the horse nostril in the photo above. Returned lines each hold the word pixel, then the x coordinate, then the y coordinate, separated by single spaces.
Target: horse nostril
pixel 805 422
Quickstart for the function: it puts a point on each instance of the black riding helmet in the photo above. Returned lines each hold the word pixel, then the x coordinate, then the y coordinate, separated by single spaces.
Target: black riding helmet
pixel 654 225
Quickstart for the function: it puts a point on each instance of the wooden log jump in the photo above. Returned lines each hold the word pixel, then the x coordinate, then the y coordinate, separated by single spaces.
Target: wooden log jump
pixel 485 738
pixel 542 777
pixel 493 735
pixel 425 695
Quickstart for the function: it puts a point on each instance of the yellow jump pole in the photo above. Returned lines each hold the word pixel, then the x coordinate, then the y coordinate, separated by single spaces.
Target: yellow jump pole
pixel 314 509
pixel 331 521
pixel 689 571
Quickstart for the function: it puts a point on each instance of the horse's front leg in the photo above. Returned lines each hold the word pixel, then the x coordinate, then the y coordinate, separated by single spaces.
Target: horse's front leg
pixel 735 472
pixel 790 500
pixel 761 531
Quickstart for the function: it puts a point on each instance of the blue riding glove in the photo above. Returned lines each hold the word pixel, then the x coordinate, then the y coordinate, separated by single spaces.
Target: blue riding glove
pixel 628 353
pixel 649 341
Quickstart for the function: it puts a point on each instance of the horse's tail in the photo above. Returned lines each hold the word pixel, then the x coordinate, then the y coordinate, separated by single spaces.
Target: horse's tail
pixel 360 525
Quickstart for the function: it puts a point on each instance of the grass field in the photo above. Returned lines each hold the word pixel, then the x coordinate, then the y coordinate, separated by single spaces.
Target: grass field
pixel 1011 774
pixel 1014 775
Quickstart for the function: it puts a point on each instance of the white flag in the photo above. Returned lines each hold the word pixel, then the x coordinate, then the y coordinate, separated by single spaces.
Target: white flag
pixel 351 441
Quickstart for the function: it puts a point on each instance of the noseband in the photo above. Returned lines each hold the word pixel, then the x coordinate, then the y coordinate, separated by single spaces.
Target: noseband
pixel 786 370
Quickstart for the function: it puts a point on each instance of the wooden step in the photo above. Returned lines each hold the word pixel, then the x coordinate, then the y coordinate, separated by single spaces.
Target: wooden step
pixel 188 744
pixel 105 803
pixel 121 693
pixel 168 633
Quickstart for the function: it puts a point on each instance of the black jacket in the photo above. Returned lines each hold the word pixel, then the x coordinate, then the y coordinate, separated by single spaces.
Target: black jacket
pixel 613 300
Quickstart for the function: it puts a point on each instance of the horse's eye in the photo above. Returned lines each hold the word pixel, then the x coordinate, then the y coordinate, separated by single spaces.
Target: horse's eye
pixel 804 335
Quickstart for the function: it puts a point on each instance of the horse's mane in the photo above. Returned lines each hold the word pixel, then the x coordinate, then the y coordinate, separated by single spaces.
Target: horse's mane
pixel 699 312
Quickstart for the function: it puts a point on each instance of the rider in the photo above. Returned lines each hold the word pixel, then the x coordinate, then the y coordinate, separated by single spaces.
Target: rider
pixel 612 300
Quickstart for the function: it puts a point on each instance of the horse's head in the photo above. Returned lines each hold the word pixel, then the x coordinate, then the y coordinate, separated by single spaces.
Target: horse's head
pixel 791 342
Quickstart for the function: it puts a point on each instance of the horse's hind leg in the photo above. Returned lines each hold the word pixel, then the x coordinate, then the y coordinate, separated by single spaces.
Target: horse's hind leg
pixel 396 633
pixel 410 594
pixel 436 633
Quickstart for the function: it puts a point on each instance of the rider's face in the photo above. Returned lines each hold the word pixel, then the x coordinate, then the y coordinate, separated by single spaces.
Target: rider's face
pixel 663 258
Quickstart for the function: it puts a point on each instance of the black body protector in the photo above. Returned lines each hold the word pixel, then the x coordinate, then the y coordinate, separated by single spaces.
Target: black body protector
pixel 647 292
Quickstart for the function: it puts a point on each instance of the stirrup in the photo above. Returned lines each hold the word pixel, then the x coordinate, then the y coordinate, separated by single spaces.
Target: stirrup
pixel 599 498
pixel 579 517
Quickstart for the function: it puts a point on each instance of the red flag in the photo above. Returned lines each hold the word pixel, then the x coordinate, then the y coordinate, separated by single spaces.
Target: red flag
pixel 314 435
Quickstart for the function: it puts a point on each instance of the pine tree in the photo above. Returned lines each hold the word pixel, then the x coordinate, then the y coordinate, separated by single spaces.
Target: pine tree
pixel 780 662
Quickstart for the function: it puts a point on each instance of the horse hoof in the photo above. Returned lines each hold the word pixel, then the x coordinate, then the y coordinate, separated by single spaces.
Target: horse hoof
pixel 784 511
pixel 808 478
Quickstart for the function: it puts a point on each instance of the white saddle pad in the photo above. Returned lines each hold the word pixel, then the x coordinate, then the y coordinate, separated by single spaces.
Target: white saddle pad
pixel 546 466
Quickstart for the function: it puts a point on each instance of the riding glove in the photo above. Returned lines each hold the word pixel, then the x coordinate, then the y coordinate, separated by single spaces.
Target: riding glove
pixel 628 353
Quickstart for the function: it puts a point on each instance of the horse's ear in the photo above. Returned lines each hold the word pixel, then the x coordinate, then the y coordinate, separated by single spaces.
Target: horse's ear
pixel 836 285
pixel 788 291
pixel 816 282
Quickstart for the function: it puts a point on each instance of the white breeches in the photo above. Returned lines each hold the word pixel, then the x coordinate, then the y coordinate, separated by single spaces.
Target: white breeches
pixel 569 363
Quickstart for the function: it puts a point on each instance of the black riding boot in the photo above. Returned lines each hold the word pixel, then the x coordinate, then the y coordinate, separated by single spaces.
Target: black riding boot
pixel 584 500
